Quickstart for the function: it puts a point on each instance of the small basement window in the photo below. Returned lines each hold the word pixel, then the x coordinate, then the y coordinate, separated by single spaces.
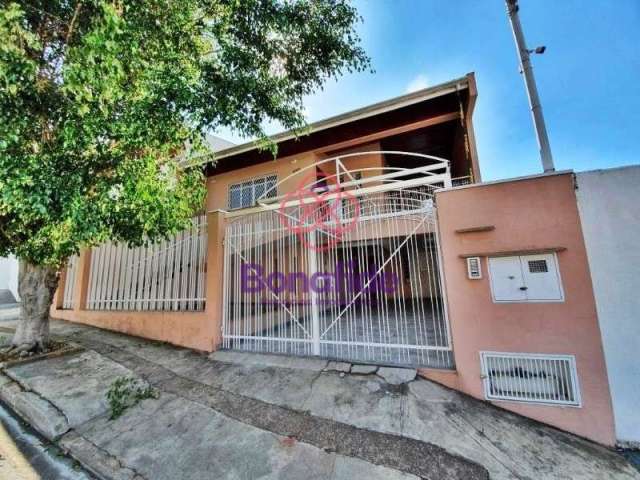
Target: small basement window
pixel 526 377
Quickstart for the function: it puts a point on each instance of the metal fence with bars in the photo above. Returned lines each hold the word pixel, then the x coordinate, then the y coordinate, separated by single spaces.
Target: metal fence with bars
pixel 168 275
pixel 459 181
pixel 70 282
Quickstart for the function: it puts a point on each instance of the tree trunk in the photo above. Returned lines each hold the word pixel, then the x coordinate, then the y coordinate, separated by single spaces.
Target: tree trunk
pixel 36 286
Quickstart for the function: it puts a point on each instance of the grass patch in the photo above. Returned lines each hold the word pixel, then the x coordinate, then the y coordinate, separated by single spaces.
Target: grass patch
pixel 126 392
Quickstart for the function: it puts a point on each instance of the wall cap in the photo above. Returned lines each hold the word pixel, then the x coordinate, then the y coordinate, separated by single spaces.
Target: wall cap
pixel 506 180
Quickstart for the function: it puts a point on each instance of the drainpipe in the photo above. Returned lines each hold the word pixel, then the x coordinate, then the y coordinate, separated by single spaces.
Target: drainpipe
pixel 530 84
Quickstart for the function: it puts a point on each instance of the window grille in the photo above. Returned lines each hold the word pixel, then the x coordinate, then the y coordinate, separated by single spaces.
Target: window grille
pixel 247 193
pixel 538 266
pixel 537 378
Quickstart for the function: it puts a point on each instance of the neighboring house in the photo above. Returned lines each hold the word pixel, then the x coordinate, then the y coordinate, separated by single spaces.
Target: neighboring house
pixel 8 280
pixel 371 239
pixel 609 204
pixel 217 144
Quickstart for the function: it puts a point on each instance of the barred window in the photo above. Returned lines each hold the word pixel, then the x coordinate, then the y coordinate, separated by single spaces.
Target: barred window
pixel 247 193
pixel 538 266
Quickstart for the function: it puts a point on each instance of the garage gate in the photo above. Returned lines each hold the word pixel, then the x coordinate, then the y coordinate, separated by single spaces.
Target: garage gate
pixel 346 267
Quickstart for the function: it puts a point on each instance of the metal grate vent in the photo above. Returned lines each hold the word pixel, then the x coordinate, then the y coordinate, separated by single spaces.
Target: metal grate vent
pixel 538 378
pixel 474 269
pixel 538 266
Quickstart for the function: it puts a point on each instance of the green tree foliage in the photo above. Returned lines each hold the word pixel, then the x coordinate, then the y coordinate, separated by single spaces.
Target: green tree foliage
pixel 98 99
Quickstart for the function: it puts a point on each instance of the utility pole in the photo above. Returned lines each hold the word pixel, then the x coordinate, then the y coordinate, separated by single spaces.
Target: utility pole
pixel 530 83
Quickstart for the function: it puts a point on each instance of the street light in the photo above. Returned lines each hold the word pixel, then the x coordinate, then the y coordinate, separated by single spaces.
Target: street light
pixel 539 50
pixel 530 84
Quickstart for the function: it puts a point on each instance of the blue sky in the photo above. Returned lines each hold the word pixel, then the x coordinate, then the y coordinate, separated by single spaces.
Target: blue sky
pixel 589 77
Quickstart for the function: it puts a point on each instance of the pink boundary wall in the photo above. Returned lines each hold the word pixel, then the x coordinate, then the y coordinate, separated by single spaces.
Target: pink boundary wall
pixel 533 214
pixel 197 330
pixel 529 215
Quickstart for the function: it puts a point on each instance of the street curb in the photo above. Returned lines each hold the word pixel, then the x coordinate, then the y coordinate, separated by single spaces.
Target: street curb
pixel 37 411
pixel 50 422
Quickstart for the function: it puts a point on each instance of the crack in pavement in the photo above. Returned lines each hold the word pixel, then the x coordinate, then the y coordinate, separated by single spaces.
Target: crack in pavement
pixel 311 386
pixel 456 421
pixel 71 437
pixel 26 388
pixel 408 455
pixel 403 411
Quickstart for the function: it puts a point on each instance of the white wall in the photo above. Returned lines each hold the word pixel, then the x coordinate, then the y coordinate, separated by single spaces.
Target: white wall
pixel 609 205
pixel 9 275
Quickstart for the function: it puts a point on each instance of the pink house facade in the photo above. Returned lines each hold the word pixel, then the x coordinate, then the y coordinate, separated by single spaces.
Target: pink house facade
pixel 529 218
pixel 406 259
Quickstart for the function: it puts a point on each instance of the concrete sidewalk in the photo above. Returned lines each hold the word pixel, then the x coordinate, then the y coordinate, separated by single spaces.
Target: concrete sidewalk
pixel 231 415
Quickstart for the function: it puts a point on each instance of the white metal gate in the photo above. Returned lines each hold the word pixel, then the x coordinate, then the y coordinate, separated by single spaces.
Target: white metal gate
pixel 346 270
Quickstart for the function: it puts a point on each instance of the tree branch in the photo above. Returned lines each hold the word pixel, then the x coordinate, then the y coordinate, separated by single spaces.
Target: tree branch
pixel 73 22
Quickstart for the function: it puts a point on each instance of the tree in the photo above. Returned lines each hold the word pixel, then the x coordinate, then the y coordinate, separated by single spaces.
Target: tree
pixel 99 98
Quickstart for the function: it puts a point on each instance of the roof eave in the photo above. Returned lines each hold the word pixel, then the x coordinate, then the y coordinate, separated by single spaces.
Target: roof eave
pixel 365 112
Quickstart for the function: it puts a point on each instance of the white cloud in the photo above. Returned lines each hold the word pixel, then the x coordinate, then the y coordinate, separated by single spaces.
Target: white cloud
pixel 418 83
